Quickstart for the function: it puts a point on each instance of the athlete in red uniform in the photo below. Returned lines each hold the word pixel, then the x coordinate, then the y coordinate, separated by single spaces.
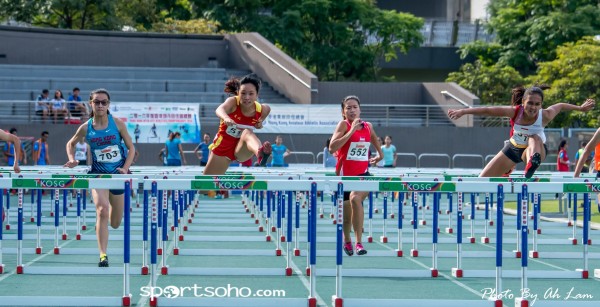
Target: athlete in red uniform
pixel 528 120
pixel 351 140
pixel 232 141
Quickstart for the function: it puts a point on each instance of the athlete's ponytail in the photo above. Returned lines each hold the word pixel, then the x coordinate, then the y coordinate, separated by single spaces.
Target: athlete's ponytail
pixel 519 93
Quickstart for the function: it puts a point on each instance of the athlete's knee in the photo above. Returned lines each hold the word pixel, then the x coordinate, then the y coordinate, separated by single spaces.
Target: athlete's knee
pixel 115 224
pixel 102 210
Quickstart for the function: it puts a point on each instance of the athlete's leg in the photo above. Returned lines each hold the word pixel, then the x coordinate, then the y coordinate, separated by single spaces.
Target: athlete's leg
pixel 102 216
pixel 358 213
pixel 248 146
pixel 498 166
pixel 216 165
pixel 117 202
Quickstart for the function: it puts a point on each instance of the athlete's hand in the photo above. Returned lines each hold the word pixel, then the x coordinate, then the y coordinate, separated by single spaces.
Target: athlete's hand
pixel 375 159
pixel 228 121
pixel 71 163
pixel 258 124
pixel 122 170
pixel 454 114
pixel 17 169
pixel 355 124
pixel 587 105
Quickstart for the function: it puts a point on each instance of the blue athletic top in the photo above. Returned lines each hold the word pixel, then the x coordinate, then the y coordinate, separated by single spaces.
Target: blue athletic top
pixel 105 145
pixel 41 146
pixel 173 148
pixel 278 151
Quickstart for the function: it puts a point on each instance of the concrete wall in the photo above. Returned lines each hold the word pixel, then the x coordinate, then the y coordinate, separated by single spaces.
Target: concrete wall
pixel 371 93
pixel 39 46
pixel 433 95
pixel 244 56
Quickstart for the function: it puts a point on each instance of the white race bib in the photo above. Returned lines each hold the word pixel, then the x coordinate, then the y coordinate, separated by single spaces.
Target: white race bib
pixel 109 154
pixel 234 131
pixel 358 151
pixel 520 139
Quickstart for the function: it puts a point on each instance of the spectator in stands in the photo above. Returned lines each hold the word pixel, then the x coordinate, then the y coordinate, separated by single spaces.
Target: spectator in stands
pixel 174 150
pixel 42 105
pixel 280 151
pixel 59 106
pixel 562 161
pixel 202 150
pixel 329 160
pixel 76 106
pixel 105 135
pixel 389 152
pixel 9 150
pixel 13 139
pixel 233 142
pixel 351 140
pixel 528 120
pixel 40 154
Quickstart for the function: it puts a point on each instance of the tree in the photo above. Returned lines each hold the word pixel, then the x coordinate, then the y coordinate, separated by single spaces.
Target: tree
pixel 529 31
pixel 491 83
pixel 336 39
pixel 194 26
pixel 573 77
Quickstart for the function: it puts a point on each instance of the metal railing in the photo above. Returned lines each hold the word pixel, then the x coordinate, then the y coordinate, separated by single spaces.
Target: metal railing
pixel 430 155
pixel 305 153
pixel 408 154
pixel 479 157
pixel 250 44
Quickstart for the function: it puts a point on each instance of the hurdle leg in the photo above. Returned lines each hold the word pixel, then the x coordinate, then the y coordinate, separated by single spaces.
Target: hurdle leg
pixel 400 205
pixel 1 221
pixel 20 232
pixel 457 271
pixel 56 221
pixel 414 252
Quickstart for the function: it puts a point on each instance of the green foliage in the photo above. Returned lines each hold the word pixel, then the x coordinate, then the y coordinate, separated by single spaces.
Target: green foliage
pixel 336 39
pixel 529 31
pixel 573 77
pixel 194 26
pixel 491 83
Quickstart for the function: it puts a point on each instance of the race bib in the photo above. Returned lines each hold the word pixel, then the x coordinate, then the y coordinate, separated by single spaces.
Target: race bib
pixel 358 151
pixel 109 154
pixel 80 154
pixel 234 131
pixel 520 139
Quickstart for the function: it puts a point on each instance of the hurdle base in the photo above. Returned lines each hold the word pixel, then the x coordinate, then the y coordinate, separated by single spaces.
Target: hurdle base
pixel 288 271
pixel 64 236
pixel 57 250
pixel 332 216
pixel 392 216
pixel 308 271
pixel 485 240
pixel 539 231
pixel 334 222
pixel 597 273
pixel 337 301
pixel 175 251
pixel 471 239
pixel 517 253
pixel 584 274
pixel 278 252
pixel 256 221
pixel 414 253
pixel 38 250
pixel 247 210
pixel 33 220
pixel 7 226
pixel 573 240
pixel 383 239
pixel 180 237
pixel 370 239
pixel 449 230
pixel 422 222
pixel 312 301
pixel 185 228
pixel 448 211
pixel 268 238
pixel 153 301
pixel 492 224
pixel 498 303
pixel 273 229
pixel 78 237
pixel 534 254
pixel 589 241
pixel 127 300
pixel 83 227
pixel 434 272
pixel 159 251
pixel 260 228
pixel 164 270
pixel 457 272
pixel 521 302
pixel 19 269
pixel 251 215
pixel 321 215
pixel 569 224
pixel 296 252
pixel 51 214
pixel 376 210
pixel 145 270
pixel 399 253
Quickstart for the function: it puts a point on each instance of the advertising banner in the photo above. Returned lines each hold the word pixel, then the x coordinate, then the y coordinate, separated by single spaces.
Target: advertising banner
pixel 302 119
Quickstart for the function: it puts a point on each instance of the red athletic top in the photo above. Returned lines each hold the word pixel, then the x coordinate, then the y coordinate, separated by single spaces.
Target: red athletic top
pixel 353 157
pixel 228 136
pixel 561 166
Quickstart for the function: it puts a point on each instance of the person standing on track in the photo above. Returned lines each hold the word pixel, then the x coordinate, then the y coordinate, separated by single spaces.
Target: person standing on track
pixel 104 134
pixel 527 120
pixel 232 142
pixel 351 140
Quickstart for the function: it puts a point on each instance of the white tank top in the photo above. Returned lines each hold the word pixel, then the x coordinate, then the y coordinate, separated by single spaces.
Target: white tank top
pixel 80 151
pixel 521 133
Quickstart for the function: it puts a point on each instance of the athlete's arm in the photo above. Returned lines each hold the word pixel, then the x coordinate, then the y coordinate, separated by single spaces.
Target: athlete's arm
pixel 225 109
pixel 586 152
pixel 497 111
pixel 266 110
pixel 17 143
pixel 553 110
pixel 81 132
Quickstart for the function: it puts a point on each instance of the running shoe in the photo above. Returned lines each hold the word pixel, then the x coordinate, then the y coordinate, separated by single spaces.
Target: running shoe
pixel 360 250
pixel 532 165
pixel 103 261
pixel 263 153
pixel 348 248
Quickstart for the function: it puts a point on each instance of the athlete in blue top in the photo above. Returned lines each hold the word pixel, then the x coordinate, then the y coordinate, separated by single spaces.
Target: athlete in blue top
pixel 104 134
pixel 202 151
pixel 174 151
pixel 279 153
pixel 40 150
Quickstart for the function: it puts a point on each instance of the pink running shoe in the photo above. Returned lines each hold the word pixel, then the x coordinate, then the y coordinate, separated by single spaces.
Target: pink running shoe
pixel 263 153
pixel 348 248
pixel 360 250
